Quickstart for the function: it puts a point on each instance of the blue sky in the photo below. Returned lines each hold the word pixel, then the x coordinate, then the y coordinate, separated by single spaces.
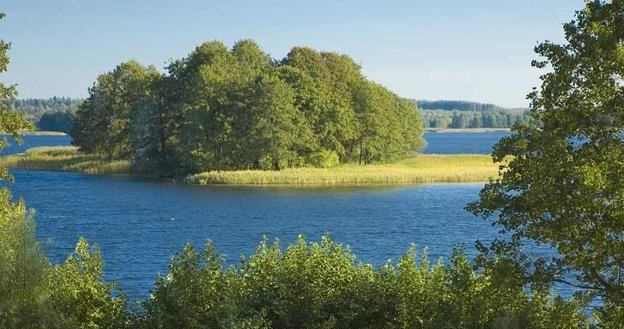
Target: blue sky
pixel 477 50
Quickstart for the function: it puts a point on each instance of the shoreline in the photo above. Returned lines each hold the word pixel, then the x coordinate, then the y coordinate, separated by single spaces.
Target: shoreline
pixel 417 169
pixel 467 130
pixel 42 133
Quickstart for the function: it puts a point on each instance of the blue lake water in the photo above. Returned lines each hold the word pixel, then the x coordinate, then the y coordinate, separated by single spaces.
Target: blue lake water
pixel 462 142
pixel 140 223
pixel 35 141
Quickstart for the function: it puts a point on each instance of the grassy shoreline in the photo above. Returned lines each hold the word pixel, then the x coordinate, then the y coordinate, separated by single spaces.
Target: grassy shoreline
pixel 467 130
pixel 422 168
pixel 64 158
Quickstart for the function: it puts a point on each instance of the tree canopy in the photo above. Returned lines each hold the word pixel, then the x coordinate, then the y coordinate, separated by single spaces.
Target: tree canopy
pixel 238 108
pixel 561 183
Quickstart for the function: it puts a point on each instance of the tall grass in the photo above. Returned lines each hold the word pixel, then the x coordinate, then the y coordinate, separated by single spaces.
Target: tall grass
pixel 425 168
pixel 64 158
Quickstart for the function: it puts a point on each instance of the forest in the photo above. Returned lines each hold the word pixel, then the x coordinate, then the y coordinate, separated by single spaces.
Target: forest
pixel 455 105
pixel 462 114
pixel 238 108
pixel 474 119
pixel 51 114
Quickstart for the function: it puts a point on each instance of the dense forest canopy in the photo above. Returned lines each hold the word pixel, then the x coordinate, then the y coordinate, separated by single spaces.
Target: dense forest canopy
pixel 238 108
pixel 52 114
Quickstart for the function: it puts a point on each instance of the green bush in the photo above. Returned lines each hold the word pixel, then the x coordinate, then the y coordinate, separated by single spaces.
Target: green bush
pixel 324 159
pixel 35 294
pixel 321 285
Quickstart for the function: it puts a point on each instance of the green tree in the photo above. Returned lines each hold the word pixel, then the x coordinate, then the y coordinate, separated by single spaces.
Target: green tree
pixel 563 185
pixel 22 269
pixel 80 294
pixel 33 294
pixel 104 121
pixel 56 121
pixel 221 108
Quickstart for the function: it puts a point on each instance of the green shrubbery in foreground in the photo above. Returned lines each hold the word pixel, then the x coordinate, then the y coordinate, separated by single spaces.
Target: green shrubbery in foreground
pixel 307 285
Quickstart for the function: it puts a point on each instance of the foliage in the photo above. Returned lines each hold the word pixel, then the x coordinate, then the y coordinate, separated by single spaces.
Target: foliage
pixel 56 121
pixel 231 109
pixel 33 294
pixel 81 296
pixel 52 114
pixel 321 285
pixel 104 122
pixel 474 119
pixel 324 159
pixel 455 105
pixel 564 187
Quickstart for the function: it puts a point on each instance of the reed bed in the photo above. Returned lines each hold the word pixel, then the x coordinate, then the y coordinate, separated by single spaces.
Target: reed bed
pixel 426 168
pixel 423 168
pixel 64 158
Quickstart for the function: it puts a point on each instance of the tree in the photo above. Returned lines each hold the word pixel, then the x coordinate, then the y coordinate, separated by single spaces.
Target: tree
pixel 237 108
pixel 33 294
pixel 22 269
pixel 561 182
pixel 56 121
pixel 104 121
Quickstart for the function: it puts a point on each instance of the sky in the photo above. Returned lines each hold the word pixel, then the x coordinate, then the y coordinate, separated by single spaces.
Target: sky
pixel 478 50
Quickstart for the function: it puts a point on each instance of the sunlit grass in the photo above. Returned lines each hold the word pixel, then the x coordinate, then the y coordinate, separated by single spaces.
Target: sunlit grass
pixel 426 168
pixel 64 158
pixel 423 168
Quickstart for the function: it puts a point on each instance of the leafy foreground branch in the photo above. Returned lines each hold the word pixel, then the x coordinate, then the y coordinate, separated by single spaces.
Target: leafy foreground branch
pixel 422 168
pixel 307 285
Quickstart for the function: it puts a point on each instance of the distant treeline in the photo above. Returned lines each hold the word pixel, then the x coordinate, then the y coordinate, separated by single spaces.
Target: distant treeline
pixel 474 119
pixel 238 108
pixel 455 105
pixel 462 114
pixel 52 114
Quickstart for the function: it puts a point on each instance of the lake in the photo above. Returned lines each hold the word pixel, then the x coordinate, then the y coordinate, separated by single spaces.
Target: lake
pixel 140 223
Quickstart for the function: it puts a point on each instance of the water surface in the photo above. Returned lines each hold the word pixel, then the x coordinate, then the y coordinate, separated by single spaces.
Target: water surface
pixel 140 223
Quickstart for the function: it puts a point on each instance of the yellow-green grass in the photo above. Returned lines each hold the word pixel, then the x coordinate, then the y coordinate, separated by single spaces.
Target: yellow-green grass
pixel 424 168
pixel 64 158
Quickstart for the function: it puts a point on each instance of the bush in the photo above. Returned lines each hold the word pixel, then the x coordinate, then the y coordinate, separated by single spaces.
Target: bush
pixel 34 294
pixel 320 285
pixel 324 159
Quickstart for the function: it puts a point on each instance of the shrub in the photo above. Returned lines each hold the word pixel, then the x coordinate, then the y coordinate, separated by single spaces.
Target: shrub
pixel 321 285
pixel 324 159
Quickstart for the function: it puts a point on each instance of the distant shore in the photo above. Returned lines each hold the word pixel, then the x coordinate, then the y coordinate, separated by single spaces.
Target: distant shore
pixel 42 133
pixel 441 130
pixel 467 130
pixel 421 168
